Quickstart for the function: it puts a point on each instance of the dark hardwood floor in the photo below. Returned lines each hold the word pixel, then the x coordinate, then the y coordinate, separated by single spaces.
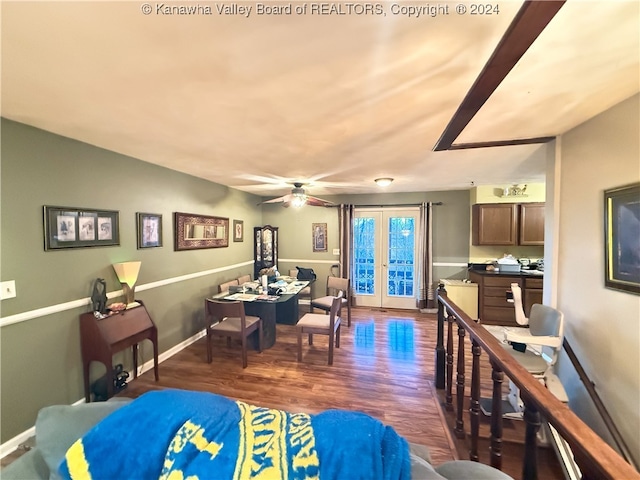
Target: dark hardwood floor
pixel 384 367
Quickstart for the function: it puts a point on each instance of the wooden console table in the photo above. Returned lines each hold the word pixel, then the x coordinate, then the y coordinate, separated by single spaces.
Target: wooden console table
pixel 101 338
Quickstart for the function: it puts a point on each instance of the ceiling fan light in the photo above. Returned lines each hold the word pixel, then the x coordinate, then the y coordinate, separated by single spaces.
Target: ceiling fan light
pixel 298 201
pixel 384 181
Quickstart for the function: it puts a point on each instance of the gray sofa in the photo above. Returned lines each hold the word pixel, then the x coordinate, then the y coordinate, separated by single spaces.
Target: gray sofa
pixel 58 426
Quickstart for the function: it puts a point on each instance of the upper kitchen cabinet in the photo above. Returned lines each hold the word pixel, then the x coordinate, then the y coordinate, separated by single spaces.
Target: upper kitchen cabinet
pixel 494 224
pixel 531 222
pixel 508 224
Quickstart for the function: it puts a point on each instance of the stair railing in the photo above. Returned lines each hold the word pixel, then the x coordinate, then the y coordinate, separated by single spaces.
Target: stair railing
pixel 595 458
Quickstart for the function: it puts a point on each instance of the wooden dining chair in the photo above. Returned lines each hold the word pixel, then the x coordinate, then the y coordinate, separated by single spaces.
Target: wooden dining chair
pixel 336 286
pixel 224 287
pixel 227 319
pixel 319 323
pixel 244 279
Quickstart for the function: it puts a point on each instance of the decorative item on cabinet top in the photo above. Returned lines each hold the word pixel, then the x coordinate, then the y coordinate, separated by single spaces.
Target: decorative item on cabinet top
pixel 194 231
pixel 72 227
pixel 514 191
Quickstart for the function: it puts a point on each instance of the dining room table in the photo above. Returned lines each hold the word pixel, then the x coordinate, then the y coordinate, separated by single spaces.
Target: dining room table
pixel 281 307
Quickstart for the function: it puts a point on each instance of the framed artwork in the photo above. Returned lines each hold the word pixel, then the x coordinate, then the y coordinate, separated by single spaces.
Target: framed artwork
pixel 200 231
pixel 149 230
pixel 72 227
pixel 238 231
pixel 319 234
pixel 622 231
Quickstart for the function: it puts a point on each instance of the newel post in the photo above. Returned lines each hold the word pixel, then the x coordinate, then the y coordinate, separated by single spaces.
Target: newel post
pixel 440 350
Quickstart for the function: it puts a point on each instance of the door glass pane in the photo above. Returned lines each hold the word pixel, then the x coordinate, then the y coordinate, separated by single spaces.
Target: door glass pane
pixel 364 255
pixel 401 258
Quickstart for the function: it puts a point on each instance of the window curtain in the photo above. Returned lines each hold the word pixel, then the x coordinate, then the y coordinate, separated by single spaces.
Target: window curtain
pixel 345 232
pixel 426 298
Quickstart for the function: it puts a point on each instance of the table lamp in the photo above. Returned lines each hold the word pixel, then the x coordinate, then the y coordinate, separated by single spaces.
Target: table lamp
pixel 127 273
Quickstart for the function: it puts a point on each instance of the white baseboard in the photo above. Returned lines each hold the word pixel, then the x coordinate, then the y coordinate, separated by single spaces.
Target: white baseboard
pixel 12 445
pixel 146 366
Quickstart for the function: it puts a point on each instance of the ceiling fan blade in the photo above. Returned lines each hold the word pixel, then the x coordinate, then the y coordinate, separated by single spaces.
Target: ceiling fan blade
pixel 284 198
pixel 318 202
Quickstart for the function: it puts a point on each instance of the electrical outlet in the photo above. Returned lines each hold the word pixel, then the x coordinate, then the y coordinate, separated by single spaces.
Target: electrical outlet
pixel 7 289
pixel 336 251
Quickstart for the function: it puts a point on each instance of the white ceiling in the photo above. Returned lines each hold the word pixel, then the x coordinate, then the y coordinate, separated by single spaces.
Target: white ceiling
pixel 336 100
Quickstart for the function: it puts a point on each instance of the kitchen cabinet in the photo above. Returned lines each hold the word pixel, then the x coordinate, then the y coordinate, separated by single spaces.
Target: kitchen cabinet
pixel 494 224
pixel 531 224
pixel 265 243
pixel 532 294
pixel 493 308
pixel 508 224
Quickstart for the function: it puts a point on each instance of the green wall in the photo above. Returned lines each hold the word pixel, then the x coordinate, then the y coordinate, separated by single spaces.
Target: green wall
pixel 40 358
pixel 40 361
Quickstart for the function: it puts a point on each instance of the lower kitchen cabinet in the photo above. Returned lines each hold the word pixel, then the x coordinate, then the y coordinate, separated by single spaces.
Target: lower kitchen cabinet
pixel 493 308
pixel 532 293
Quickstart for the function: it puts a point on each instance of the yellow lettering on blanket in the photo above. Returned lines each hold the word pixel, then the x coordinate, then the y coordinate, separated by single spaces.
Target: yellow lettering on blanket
pixel 303 440
pixel 190 433
pixel 262 449
pixel 268 438
pixel 76 461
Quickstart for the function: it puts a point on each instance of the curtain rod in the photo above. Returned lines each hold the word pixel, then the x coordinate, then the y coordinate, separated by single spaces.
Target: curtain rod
pixel 395 205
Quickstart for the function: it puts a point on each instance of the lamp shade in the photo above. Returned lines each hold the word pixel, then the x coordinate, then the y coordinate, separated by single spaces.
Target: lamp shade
pixel 127 273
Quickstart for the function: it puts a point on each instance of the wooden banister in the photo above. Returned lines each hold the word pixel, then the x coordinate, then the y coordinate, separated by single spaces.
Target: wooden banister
pixel 597 401
pixel 595 457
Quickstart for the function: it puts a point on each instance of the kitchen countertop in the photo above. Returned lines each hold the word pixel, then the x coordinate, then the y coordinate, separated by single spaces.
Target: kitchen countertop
pixel 521 273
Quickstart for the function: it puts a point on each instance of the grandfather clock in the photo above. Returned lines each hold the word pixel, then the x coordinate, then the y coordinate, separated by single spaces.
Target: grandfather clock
pixel 265 242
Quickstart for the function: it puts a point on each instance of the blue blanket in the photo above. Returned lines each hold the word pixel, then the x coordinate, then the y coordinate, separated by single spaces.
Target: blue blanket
pixel 176 434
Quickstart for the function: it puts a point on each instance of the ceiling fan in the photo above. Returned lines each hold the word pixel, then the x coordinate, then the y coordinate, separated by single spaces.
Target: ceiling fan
pixel 298 197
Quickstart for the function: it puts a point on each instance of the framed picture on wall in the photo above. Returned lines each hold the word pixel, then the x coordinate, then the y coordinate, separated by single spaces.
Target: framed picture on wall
pixel 622 231
pixel 72 227
pixel 238 231
pixel 149 230
pixel 200 231
pixel 319 235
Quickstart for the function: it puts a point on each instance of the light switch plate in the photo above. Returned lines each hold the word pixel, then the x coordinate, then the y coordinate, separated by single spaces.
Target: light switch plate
pixel 336 251
pixel 7 289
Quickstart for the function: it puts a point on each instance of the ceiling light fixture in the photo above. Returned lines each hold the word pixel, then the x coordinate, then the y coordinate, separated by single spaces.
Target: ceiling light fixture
pixel 298 200
pixel 384 182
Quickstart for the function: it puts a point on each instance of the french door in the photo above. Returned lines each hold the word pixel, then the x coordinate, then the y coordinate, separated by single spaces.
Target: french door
pixel 384 256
